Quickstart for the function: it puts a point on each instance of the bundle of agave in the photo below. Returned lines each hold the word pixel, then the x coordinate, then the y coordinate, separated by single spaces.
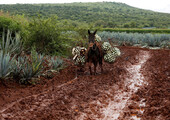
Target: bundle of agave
pixel 79 55
pixel 80 60
pixel 106 46
pixel 98 38
pixel 110 52
pixel 76 50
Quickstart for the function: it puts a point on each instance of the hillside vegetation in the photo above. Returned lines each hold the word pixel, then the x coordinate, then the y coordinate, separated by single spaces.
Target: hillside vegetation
pixel 105 14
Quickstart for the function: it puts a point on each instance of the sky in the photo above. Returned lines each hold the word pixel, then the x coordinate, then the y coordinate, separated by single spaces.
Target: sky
pixel 155 5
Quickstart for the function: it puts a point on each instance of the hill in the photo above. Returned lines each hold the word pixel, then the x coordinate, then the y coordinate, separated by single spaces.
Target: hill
pixel 106 14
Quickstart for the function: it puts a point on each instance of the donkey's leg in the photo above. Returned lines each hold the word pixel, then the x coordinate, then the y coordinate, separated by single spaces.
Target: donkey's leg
pixel 100 63
pixel 95 65
pixel 90 68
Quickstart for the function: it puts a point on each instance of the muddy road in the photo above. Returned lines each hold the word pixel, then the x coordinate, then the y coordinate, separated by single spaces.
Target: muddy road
pixel 134 87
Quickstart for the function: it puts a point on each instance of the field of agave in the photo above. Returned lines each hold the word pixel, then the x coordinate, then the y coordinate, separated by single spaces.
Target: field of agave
pixel 141 39
pixel 137 30
pixel 22 67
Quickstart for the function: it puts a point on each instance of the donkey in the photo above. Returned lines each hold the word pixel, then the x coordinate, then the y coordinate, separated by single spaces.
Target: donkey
pixel 94 52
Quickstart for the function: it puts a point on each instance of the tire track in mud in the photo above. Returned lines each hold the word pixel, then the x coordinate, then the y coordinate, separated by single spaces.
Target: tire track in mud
pixel 108 107
pixel 113 107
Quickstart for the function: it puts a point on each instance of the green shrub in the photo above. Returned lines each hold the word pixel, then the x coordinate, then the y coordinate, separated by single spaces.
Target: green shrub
pixel 45 35
pixel 8 22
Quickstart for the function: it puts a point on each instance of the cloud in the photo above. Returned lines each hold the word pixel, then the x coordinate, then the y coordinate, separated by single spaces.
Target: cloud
pixel 165 9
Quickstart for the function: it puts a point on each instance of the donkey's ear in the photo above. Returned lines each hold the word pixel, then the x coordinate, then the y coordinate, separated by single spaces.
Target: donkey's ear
pixel 89 32
pixel 95 32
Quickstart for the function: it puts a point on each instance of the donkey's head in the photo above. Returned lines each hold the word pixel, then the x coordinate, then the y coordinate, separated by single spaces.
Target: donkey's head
pixel 92 43
pixel 92 36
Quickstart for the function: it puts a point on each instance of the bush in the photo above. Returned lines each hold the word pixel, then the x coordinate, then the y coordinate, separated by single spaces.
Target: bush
pixel 45 35
pixel 8 22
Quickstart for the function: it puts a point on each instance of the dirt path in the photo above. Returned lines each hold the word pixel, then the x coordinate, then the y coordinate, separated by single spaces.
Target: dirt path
pixel 114 105
pixel 109 106
pixel 107 96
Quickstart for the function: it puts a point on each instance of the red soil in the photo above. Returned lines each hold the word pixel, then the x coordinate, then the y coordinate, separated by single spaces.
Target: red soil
pixel 157 93
pixel 67 96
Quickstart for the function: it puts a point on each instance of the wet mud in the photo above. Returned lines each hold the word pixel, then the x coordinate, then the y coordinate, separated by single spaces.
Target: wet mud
pixel 135 86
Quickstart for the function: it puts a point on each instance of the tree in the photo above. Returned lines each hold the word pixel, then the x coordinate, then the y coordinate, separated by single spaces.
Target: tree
pixel 133 24
pixel 126 25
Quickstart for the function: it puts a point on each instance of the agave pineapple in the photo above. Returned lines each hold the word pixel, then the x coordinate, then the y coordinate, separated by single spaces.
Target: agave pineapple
pixel 110 52
pixel 109 57
pixel 79 59
pixel 106 46
pixel 98 38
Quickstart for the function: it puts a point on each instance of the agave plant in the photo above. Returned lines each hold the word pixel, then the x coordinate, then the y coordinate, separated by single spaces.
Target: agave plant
pixel 27 67
pixel 9 44
pixel 37 60
pixel 5 64
pixel 153 40
pixel 17 67
pixel 32 68
pixel 27 70
pixel 55 62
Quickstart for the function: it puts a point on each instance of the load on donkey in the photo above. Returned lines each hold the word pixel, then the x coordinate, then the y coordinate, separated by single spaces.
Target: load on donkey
pixel 95 53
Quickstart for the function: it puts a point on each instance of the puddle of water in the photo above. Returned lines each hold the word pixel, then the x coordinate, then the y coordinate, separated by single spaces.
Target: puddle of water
pixel 113 110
